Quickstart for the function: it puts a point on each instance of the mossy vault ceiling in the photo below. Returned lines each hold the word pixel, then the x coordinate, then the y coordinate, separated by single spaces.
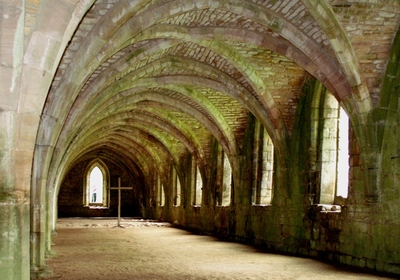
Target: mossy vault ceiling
pixel 147 82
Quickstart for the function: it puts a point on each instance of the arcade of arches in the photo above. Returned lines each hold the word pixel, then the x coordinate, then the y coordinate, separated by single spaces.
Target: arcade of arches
pixel 224 117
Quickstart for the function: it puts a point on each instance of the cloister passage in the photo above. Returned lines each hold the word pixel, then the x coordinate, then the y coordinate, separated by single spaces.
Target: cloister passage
pixel 273 122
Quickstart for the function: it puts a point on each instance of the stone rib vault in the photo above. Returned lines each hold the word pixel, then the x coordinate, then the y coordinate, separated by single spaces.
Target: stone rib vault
pixel 156 90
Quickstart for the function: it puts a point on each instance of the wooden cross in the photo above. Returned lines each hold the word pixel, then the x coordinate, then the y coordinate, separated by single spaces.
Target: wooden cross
pixel 119 188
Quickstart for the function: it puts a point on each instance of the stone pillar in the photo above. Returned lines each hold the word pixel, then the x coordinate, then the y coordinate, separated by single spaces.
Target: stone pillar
pixel 14 206
pixel 38 237
pixel 14 230
pixel 15 163
pixel 39 216
pixel 49 230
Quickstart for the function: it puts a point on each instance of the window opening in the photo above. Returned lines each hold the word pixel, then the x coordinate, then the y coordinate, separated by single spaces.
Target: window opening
pixel 161 192
pixel 96 185
pixel 196 184
pixel 267 169
pixel 177 188
pixel 343 155
pixel 263 167
pixel 334 152
pixel 226 181
pixel 198 187
pixel 162 196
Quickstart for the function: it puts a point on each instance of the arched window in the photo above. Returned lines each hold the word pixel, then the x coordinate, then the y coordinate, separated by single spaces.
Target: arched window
pixel 176 187
pixel 161 192
pixel 224 174
pixel 96 185
pixel 343 155
pixel 197 185
pixel 263 167
pixel 334 153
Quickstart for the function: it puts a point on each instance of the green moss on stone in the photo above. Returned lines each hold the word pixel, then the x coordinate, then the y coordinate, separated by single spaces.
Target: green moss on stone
pixel 134 54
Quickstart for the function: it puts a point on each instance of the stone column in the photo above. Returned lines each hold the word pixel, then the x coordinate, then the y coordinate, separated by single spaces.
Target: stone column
pixel 49 230
pixel 40 247
pixel 14 230
pixel 14 205
pixel 15 162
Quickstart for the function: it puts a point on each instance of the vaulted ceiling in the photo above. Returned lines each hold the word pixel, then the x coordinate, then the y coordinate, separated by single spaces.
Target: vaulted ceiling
pixel 147 82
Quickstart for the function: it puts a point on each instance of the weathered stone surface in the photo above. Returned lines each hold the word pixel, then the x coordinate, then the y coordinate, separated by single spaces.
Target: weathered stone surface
pixel 160 88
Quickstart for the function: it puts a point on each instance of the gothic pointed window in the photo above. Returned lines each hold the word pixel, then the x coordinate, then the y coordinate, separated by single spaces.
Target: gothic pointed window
pixel 263 167
pixel 343 155
pixel 224 180
pixel 334 154
pixel 197 185
pixel 176 188
pixel 160 192
pixel 96 185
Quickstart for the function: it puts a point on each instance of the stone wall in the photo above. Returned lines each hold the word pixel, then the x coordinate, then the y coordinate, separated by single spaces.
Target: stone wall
pixel 70 199
pixel 354 232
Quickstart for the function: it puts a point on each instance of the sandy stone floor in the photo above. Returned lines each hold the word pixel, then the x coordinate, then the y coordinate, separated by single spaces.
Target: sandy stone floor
pixel 96 249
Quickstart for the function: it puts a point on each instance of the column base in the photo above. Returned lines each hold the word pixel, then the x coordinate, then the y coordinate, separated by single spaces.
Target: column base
pixel 50 254
pixel 41 272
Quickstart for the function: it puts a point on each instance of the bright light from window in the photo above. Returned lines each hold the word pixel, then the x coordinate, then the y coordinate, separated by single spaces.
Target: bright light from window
pixel 226 181
pixel 343 155
pixel 199 187
pixel 96 185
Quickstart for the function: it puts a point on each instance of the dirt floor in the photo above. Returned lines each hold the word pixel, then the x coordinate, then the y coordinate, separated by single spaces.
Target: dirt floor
pixel 96 249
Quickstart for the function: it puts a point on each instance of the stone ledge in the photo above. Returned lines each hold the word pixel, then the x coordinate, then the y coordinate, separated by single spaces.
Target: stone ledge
pixel 331 208
pixel 97 207
pixel 262 205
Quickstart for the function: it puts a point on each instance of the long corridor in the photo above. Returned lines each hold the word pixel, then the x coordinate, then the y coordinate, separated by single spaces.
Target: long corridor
pixel 97 249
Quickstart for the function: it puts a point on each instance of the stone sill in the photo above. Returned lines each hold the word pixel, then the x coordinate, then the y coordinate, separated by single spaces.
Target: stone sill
pixel 97 207
pixel 327 208
pixel 262 205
